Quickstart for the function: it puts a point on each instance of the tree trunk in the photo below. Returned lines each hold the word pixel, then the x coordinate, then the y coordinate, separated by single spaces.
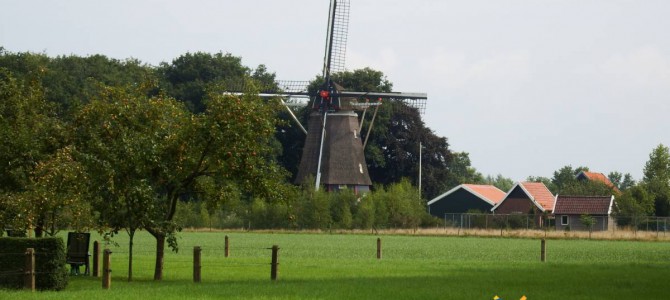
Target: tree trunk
pixel 131 233
pixel 160 251
pixel 38 232
pixel 39 227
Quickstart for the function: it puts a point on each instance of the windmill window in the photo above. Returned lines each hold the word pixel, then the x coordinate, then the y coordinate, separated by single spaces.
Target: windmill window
pixel 360 168
pixel 355 134
pixel 564 220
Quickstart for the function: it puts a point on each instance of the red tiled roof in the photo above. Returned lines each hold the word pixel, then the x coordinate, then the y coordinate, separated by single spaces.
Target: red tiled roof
pixel 583 205
pixel 540 193
pixel 593 176
pixel 489 192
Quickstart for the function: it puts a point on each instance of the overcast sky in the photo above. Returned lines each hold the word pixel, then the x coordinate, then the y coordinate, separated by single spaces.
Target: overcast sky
pixel 525 87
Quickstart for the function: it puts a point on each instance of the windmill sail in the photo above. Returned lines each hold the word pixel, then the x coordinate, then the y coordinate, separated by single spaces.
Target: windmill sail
pixel 333 152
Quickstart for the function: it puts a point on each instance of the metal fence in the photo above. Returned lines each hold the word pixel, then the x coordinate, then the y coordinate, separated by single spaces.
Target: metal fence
pixel 551 222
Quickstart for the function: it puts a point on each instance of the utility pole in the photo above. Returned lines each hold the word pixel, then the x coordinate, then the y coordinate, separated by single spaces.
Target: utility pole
pixel 420 148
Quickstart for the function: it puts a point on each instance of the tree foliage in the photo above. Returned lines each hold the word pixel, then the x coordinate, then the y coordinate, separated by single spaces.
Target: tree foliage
pixel 189 77
pixel 500 181
pixel 565 178
pixel 621 181
pixel 39 180
pixel 657 179
pixel 635 202
pixel 147 153
pixel 71 81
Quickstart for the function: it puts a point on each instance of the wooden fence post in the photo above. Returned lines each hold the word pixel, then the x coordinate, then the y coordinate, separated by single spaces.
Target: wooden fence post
pixel 96 259
pixel 543 251
pixel 106 269
pixel 274 269
pixel 29 270
pixel 227 248
pixel 379 248
pixel 196 264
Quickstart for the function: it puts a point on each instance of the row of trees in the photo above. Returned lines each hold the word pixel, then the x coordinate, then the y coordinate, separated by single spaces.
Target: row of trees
pixel 93 142
pixel 70 82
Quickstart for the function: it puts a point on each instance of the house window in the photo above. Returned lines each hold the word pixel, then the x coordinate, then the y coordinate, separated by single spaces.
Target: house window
pixel 564 220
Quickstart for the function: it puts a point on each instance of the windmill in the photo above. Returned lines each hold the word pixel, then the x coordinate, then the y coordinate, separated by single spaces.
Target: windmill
pixel 333 153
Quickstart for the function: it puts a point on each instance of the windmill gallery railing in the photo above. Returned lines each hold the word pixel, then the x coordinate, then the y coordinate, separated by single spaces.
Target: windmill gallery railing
pixel 551 222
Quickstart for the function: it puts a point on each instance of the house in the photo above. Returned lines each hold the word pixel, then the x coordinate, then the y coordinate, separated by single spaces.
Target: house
pixel 465 197
pixel 527 198
pixel 597 177
pixel 569 210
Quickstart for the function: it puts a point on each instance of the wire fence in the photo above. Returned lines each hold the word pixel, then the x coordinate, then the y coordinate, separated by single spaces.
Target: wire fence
pixel 253 259
pixel 558 222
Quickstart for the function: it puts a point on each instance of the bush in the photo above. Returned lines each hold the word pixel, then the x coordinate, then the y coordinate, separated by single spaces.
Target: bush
pixel 49 262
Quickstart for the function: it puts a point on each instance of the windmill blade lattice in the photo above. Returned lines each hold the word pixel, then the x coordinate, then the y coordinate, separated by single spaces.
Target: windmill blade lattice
pixel 336 38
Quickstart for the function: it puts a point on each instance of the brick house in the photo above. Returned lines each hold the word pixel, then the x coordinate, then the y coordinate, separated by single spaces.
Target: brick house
pixel 568 211
pixel 527 198
pixel 465 197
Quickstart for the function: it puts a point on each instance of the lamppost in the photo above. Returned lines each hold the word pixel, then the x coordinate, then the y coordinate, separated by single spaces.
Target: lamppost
pixel 420 148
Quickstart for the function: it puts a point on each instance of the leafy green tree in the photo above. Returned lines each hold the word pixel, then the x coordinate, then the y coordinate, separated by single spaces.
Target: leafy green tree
pixel 565 177
pixel 402 203
pixel 364 217
pixel 70 81
pixel 313 208
pixel 621 181
pixel 25 66
pixel 343 206
pixel 58 195
pixel 499 181
pixel 634 202
pixel 189 77
pixel 463 171
pixel 150 152
pixel 588 188
pixel 31 135
pixel 588 221
pixel 657 179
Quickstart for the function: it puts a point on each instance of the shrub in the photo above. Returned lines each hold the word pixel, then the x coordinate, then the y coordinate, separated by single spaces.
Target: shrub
pixel 49 262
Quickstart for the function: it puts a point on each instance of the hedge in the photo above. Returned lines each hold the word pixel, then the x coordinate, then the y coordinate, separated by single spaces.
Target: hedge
pixel 50 270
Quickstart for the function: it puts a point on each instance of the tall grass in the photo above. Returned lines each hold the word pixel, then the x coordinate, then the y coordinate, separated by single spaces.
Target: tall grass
pixel 340 266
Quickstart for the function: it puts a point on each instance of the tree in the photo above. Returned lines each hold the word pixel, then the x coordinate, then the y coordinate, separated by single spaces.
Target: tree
pixel 501 182
pixel 634 202
pixel 657 179
pixel 401 205
pixel 58 194
pixel 147 153
pixel 462 170
pixel 588 221
pixel 621 181
pixel 588 188
pixel 70 81
pixel 188 77
pixel 565 177
pixel 31 135
pixel 123 137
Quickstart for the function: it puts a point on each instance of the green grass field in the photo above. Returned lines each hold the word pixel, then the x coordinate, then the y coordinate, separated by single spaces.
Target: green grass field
pixel 324 266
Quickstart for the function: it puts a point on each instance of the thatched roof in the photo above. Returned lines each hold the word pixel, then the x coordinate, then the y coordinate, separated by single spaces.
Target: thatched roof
pixel 343 161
